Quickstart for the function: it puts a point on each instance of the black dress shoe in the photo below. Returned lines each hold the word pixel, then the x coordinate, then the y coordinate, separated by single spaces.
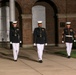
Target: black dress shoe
pixel 15 60
pixel 68 56
pixel 40 61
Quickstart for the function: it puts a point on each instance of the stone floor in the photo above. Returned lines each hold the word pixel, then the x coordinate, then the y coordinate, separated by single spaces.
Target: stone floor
pixel 28 64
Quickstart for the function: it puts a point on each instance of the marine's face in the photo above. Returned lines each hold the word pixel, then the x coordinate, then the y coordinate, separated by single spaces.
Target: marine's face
pixel 68 26
pixel 40 24
pixel 14 24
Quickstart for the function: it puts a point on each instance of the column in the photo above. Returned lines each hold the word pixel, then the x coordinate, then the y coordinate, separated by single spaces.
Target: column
pixel 12 14
pixel 12 10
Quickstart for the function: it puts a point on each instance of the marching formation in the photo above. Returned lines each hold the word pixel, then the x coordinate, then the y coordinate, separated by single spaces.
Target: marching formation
pixel 40 39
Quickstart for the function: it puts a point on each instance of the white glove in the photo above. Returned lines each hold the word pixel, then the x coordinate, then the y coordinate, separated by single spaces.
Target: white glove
pixel 74 40
pixel 10 42
pixel 34 44
pixel 62 41
pixel 20 41
pixel 45 44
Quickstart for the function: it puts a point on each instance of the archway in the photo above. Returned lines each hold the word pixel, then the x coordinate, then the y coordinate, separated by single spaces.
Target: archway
pixel 38 14
pixel 51 21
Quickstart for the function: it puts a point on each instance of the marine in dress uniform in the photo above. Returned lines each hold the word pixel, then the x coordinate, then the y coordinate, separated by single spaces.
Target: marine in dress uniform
pixel 68 36
pixel 15 39
pixel 40 39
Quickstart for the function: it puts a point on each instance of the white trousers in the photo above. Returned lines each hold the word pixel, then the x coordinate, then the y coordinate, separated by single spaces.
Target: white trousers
pixel 69 48
pixel 40 48
pixel 15 50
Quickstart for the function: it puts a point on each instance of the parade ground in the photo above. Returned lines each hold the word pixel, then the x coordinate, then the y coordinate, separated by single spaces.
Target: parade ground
pixel 28 64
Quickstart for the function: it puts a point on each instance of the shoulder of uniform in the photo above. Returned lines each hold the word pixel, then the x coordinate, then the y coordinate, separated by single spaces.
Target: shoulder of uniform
pixel 17 28
pixel 36 28
pixel 71 28
pixel 43 28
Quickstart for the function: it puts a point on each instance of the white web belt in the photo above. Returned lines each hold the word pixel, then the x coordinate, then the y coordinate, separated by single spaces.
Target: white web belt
pixel 68 35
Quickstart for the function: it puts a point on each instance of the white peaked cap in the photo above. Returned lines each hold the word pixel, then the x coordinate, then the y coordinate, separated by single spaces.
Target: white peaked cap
pixel 68 22
pixel 14 22
pixel 39 21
